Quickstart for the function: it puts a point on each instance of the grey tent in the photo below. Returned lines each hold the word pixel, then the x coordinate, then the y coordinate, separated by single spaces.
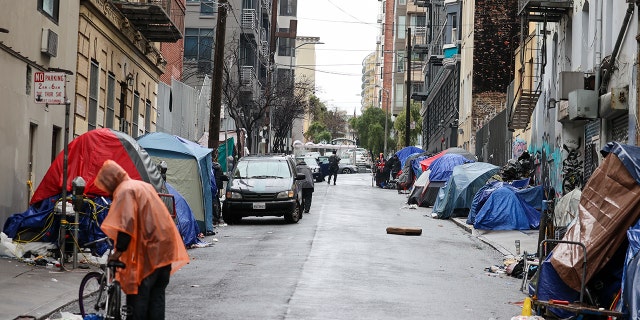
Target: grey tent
pixel 455 198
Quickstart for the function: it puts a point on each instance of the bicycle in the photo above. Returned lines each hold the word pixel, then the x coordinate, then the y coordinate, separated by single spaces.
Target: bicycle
pixel 100 293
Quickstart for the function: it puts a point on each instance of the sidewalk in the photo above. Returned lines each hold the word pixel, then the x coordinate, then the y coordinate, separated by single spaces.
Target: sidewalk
pixel 36 292
pixel 504 240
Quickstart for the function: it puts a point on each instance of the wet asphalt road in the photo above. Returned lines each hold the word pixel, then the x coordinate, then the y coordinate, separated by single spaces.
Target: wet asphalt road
pixel 339 263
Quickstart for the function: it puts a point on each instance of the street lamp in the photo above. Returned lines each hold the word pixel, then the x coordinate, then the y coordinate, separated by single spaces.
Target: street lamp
pixel 386 119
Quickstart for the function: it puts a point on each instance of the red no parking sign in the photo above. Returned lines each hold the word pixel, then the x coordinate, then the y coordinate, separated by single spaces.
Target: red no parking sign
pixel 49 87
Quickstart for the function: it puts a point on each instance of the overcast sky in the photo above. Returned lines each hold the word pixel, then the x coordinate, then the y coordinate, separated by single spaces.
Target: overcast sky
pixel 348 29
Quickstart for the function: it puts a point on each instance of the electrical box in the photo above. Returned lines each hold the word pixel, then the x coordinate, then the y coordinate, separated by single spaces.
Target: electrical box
pixel 583 105
pixel 563 111
pixel 614 103
pixel 569 81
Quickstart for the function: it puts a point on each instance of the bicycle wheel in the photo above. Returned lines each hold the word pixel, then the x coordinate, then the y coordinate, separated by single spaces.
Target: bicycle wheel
pixel 114 303
pixel 90 296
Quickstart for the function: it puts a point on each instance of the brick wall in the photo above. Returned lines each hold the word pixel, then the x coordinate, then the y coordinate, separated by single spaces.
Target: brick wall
pixel 496 37
pixel 173 53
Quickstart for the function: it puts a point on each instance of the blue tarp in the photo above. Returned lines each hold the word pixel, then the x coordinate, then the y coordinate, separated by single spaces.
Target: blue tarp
pixel 461 188
pixel 415 165
pixel 509 208
pixel 629 155
pixel 40 223
pixel 442 168
pixel 630 275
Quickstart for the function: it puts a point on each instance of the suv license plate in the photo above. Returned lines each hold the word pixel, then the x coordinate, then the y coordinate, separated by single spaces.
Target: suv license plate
pixel 259 205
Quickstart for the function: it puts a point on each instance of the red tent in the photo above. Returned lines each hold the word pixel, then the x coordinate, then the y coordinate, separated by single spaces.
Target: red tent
pixel 87 153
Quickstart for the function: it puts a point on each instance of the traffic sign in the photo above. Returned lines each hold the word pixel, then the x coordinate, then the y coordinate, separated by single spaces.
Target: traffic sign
pixel 49 87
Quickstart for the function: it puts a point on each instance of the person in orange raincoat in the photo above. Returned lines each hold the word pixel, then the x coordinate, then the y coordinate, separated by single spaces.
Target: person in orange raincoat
pixel 146 240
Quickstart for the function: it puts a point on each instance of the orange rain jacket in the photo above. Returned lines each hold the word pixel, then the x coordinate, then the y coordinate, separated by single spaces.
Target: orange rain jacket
pixel 138 211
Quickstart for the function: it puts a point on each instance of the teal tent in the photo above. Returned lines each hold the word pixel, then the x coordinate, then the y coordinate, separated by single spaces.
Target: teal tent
pixel 189 171
pixel 455 198
pixel 225 150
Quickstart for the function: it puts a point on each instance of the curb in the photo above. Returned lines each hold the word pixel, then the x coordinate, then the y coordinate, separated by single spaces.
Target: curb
pixel 462 224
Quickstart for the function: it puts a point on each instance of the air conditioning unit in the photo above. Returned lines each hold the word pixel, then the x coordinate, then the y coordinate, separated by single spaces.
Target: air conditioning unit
pixel 569 81
pixel 583 105
pixel 49 44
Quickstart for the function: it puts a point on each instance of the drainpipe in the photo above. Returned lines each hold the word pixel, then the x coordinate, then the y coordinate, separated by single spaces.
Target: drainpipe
pixel 616 49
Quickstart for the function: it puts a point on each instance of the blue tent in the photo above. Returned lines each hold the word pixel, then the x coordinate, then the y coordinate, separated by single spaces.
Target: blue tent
pixel 186 223
pixel 460 189
pixel 405 152
pixel 442 168
pixel 509 208
pixel 189 172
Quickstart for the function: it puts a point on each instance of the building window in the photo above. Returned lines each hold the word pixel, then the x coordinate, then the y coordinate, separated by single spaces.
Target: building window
pixel 399 95
pixel 285 45
pixel 208 8
pixel 147 116
pixel 288 7
pixel 49 8
pixel 111 100
pixel 94 87
pixel 400 62
pixel 29 79
pixel 135 114
pixel 198 44
pixel 402 26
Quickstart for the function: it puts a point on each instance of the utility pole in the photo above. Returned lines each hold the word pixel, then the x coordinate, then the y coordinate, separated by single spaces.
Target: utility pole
pixel 216 83
pixel 407 136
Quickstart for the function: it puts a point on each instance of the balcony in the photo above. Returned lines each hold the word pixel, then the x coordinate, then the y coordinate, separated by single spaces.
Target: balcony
pixel 249 82
pixel 250 23
pixel 545 10
pixel 157 20
pixel 266 7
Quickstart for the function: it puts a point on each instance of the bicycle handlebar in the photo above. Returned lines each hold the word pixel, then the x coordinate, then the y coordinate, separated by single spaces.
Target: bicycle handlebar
pixel 90 243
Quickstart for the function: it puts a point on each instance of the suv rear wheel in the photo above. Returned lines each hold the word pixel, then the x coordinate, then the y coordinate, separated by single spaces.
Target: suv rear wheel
pixel 294 215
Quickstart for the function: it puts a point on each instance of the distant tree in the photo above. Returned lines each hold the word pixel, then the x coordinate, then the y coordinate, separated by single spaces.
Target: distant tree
pixel 335 123
pixel 292 105
pixel 367 128
pixel 317 132
pixel 400 126
pixel 286 100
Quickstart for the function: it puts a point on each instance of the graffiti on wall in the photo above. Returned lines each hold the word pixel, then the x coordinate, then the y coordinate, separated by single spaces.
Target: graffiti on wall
pixel 547 160
pixel 519 147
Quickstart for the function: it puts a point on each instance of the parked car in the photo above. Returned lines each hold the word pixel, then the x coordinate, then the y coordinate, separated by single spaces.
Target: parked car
pixel 312 163
pixel 263 185
pixel 344 166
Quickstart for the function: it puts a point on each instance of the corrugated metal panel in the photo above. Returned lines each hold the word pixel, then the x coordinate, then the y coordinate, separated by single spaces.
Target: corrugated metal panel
pixel 591 130
pixel 493 141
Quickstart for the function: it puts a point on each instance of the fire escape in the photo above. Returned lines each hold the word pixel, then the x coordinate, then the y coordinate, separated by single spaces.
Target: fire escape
pixel 531 57
pixel 157 20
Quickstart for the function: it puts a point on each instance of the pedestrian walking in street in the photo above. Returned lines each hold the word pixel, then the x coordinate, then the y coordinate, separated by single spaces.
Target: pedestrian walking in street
pixel 145 239
pixel 306 185
pixel 334 160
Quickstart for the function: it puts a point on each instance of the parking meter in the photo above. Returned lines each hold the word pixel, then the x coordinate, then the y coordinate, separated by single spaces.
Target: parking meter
pixel 77 190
